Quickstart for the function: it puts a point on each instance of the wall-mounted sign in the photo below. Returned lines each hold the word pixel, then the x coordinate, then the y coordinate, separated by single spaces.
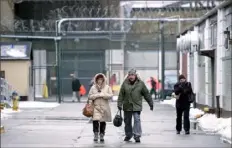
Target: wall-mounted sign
pixel 17 50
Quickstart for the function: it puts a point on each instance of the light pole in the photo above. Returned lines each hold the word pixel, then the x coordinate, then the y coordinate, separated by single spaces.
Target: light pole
pixel 162 59
pixel 58 64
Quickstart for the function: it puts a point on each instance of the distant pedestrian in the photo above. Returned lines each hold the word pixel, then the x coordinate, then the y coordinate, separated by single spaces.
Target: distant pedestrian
pixel 183 90
pixel 130 99
pixel 76 88
pixel 100 94
pixel 91 83
pixel 153 87
pixel 113 80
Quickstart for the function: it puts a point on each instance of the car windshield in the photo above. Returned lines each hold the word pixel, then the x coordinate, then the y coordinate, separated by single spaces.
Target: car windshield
pixel 170 81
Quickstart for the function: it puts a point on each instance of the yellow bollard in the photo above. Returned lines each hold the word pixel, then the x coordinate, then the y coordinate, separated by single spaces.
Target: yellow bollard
pixel 45 91
pixel 206 109
pixel 2 129
pixel 15 103
pixel 2 106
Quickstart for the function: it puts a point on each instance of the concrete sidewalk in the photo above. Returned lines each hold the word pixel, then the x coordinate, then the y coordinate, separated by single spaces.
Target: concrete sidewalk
pixel 65 126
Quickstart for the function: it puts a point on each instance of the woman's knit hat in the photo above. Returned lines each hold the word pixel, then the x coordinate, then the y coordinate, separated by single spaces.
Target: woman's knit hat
pixel 181 77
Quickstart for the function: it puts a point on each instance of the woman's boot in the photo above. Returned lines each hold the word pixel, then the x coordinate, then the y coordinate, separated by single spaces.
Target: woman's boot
pixel 101 137
pixel 95 136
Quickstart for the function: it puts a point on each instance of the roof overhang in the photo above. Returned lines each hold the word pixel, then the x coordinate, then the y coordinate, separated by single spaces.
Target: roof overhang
pixel 206 16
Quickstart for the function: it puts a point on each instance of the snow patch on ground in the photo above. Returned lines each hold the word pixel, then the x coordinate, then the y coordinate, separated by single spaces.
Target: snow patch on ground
pixel 171 102
pixel 222 126
pixel 194 112
pixel 4 116
pixel 115 98
pixel 34 104
pixel 209 122
pixel 6 113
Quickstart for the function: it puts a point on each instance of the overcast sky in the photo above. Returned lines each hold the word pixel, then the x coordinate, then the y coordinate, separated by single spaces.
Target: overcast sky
pixel 157 3
pixel 144 4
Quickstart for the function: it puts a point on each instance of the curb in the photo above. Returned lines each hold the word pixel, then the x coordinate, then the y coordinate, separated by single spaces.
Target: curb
pixel 226 140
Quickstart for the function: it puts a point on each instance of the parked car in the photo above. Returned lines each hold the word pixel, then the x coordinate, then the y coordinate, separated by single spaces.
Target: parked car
pixel 169 82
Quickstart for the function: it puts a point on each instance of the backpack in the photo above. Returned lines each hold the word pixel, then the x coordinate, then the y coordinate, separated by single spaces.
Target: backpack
pixel 118 119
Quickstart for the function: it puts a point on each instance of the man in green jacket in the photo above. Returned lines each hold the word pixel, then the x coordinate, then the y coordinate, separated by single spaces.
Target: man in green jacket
pixel 130 99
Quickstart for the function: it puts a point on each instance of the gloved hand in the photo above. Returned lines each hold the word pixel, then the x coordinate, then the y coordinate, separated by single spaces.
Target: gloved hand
pixel 119 108
pixel 151 108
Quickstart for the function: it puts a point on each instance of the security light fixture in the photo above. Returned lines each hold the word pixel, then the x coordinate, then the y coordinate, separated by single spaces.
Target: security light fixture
pixel 76 40
pixel 97 28
pixel 17 1
pixel 228 39
pixel 14 52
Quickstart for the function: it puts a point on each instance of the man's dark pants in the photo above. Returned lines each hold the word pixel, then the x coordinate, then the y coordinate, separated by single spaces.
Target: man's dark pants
pixel 136 130
pixel 179 113
pixel 153 91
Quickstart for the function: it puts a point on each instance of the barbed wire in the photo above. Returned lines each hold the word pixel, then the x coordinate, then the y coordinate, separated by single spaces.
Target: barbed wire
pixel 47 24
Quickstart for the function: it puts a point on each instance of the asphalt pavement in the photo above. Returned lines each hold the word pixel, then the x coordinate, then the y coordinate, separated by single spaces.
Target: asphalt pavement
pixel 65 126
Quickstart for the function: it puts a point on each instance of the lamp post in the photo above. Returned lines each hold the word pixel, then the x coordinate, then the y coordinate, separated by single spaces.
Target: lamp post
pixel 162 59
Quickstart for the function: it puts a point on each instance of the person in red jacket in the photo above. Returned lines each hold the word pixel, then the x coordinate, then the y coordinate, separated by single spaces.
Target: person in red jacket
pixel 153 87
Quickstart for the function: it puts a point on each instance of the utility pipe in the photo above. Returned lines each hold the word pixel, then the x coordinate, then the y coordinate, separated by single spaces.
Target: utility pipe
pixel 36 37
pixel 124 19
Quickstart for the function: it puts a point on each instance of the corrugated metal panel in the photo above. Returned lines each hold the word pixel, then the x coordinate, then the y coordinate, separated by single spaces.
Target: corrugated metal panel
pixel 192 70
pixel 201 93
pixel 227 83
pixel 209 82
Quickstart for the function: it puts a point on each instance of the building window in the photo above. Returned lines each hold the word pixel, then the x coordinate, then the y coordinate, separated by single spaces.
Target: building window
pixel 2 74
pixel 202 36
pixel 213 35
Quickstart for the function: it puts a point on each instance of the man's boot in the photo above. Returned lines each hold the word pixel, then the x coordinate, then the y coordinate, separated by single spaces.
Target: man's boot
pixel 127 139
pixel 95 136
pixel 101 137
pixel 137 139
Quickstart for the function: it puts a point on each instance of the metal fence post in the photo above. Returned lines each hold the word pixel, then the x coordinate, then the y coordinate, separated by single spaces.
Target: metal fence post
pixel 218 110
pixel 194 103
pixel 162 58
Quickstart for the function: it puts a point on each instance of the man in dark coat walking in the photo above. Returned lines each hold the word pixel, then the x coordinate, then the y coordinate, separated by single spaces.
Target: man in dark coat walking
pixel 76 88
pixel 183 90
pixel 130 99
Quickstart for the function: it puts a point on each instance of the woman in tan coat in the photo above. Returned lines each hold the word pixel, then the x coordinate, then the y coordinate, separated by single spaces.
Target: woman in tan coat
pixel 100 94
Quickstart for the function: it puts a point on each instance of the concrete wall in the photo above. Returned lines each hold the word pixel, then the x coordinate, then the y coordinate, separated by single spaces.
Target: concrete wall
pixel 7 14
pixel 39 71
pixel 17 75
pixel 224 77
